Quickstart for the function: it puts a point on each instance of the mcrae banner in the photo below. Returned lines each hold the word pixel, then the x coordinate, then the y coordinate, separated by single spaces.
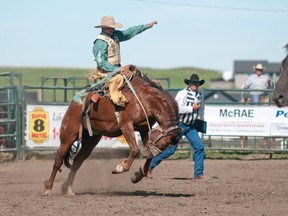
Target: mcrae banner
pixel 246 120
pixel 43 128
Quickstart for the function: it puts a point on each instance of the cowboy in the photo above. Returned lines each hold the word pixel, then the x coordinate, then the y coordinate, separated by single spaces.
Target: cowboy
pixel 258 81
pixel 106 51
pixel 189 103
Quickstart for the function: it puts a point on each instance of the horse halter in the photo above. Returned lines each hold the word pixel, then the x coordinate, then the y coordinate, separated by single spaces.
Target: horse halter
pixel 153 149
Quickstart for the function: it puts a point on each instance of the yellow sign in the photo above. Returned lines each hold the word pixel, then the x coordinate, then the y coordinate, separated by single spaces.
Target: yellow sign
pixel 39 128
pixel 122 139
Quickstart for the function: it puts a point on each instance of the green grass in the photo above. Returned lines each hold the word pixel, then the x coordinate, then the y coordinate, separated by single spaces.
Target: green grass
pixel 33 76
pixel 233 155
pixel 178 75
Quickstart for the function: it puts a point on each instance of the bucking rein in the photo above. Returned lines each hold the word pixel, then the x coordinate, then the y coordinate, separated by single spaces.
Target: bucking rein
pixel 81 96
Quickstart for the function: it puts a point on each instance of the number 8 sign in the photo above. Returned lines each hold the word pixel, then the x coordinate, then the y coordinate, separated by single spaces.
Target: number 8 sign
pixel 39 128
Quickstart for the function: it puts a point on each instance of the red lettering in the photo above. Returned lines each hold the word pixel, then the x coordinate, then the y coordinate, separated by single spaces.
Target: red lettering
pixel 39 135
pixel 39 115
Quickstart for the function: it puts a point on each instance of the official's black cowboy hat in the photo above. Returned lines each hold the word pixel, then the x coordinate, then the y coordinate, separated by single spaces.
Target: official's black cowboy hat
pixel 194 78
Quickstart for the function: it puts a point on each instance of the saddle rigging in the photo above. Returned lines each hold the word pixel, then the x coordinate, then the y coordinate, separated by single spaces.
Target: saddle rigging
pixel 104 85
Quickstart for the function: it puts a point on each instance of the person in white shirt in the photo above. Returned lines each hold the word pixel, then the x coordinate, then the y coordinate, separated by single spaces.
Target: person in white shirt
pixel 189 102
pixel 258 81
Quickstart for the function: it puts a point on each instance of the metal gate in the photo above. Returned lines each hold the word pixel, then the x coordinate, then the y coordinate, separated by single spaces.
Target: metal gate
pixel 11 122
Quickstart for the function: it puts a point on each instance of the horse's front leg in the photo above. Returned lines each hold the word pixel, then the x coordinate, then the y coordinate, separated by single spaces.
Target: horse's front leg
pixel 142 172
pixel 128 132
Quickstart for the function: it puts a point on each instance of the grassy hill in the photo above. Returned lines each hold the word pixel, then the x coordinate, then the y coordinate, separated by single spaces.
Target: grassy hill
pixel 36 76
pixel 32 76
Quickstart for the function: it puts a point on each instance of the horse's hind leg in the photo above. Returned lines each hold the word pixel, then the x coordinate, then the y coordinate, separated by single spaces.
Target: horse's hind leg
pixel 88 144
pixel 63 149
pixel 68 134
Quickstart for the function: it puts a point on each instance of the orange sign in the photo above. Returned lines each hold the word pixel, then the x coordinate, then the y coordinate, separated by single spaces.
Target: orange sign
pixel 122 139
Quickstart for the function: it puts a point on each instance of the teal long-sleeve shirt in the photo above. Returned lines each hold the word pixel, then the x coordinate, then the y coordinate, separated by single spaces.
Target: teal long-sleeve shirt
pixel 100 48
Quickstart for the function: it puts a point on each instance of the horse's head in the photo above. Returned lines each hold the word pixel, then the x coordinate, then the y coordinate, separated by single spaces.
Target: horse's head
pixel 280 94
pixel 160 139
pixel 160 106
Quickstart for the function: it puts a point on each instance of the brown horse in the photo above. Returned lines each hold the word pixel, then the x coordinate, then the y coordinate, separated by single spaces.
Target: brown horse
pixel 153 105
pixel 280 94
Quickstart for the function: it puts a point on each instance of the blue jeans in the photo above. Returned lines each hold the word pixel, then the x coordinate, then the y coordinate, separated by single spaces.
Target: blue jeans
pixel 255 98
pixel 192 135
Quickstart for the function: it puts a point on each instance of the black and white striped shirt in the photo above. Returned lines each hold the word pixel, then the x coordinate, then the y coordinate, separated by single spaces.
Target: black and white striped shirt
pixel 185 99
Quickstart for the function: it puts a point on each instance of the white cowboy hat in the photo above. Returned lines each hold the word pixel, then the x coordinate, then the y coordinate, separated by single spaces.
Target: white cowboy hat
pixel 108 21
pixel 258 67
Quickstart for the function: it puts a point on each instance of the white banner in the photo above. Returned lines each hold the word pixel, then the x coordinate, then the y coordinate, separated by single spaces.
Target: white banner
pixel 246 120
pixel 43 128
pixel 279 121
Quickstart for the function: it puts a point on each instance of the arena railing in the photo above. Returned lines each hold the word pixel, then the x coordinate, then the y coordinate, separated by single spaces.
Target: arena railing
pixel 54 96
pixel 10 123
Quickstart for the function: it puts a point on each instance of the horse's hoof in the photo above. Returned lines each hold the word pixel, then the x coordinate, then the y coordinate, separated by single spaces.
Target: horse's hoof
pixel 70 192
pixel 136 177
pixel 119 169
pixel 47 192
pixel 67 190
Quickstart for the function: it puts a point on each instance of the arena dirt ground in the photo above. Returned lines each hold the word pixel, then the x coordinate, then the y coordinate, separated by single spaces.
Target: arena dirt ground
pixel 237 187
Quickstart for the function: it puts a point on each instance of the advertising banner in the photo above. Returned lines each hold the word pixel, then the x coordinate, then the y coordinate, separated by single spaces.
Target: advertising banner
pixel 279 121
pixel 43 128
pixel 246 120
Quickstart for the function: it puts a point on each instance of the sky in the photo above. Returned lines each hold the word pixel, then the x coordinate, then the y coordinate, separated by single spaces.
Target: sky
pixel 205 34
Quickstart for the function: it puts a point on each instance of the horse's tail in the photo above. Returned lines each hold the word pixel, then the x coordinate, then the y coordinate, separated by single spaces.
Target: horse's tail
pixel 71 154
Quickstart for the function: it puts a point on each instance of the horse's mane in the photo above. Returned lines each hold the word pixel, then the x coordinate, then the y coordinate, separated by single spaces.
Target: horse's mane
pixel 153 84
pixel 285 59
pixel 148 80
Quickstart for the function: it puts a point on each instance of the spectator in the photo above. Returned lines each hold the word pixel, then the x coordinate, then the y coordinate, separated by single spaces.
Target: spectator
pixel 258 81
